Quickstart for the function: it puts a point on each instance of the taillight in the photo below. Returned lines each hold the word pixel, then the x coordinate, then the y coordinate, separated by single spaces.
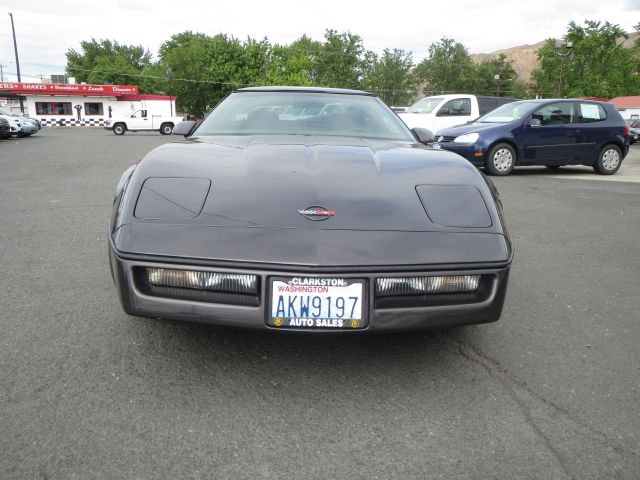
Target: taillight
pixel 627 131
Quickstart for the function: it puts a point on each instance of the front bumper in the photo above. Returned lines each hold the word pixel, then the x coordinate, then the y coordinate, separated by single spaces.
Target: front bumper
pixel 476 154
pixel 29 128
pixel 383 313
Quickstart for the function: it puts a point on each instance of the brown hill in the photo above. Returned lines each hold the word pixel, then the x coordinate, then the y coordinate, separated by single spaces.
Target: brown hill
pixel 525 57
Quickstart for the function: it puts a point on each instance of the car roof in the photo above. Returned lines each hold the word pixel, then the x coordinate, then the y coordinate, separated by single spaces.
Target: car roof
pixel 554 100
pixel 340 91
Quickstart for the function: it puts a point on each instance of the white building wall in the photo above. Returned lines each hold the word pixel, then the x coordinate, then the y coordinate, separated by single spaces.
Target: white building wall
pixel 118 108
pixel 627 113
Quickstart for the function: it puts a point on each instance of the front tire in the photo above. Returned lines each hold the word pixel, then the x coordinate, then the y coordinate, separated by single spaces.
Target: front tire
pixel 166 128
pixel 609 160
pixel 501 160
pixel 119 128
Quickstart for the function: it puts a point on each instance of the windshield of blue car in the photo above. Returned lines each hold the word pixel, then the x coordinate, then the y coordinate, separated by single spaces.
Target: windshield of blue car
pixel 304 113
pixel 426 105
pixel 508 112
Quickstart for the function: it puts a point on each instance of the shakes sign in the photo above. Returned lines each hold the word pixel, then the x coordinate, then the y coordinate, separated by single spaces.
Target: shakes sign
pixel 68 89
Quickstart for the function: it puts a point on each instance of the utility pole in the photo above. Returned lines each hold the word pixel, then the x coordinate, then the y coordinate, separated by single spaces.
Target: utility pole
pixel 15 48
pixel 563 50
pixel 169 73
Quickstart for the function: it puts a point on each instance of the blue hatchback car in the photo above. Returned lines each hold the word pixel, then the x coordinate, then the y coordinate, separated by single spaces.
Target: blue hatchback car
pixel 542 132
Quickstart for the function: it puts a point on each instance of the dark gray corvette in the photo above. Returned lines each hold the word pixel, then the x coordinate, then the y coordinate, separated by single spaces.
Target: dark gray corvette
pixel 308 209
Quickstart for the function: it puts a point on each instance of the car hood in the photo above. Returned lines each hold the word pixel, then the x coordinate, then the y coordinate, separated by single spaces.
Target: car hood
pixel 238 199
pixel 271 181
pixel 468 128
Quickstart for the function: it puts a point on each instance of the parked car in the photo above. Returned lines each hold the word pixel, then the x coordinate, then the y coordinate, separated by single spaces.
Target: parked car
pixel 634 130
pixel 5 128
pixel 542 132
pixel 28 125
pixel 15 126
pixel 443 111
pixel 141 120
pixel 343 221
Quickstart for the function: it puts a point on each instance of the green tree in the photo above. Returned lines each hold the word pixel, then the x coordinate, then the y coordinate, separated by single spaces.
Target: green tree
pixel 293 64
pixel 590 61
pixel 505 85
pixel 205 69
pixel 106 61
pixel 339 62
pixel 390 76
pixel 447 68
pixel 187 56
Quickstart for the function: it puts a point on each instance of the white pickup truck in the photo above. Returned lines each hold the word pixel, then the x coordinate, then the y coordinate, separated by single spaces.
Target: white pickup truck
pixel 443 111
pixel 140 120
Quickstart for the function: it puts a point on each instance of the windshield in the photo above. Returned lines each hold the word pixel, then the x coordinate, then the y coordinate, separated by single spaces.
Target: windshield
pixel 7 112
pixel 304 113
pixel 508 113
pixel 426 105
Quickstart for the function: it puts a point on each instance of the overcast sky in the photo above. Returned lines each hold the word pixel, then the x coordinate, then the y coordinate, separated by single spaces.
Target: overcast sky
pixel 45 30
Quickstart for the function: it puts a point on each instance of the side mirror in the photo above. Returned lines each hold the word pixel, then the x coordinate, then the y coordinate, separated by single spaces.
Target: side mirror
pixel 184 128
pixel 534 122
pixel 443 112
pixel 423 135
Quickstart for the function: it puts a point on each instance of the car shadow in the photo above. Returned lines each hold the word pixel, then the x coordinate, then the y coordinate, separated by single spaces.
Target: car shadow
pixel 552 172
pixel 280 354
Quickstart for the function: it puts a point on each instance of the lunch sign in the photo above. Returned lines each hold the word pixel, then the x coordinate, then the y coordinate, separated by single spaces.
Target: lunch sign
pixel 18 88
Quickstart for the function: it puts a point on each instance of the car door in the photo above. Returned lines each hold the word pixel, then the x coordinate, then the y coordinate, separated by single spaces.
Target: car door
pixel 554 140
pixel 138 120
pixel 594 130
pixel 454 112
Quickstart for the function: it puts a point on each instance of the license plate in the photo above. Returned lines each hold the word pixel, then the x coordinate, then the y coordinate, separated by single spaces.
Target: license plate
pixel 436 146
pixel 316 303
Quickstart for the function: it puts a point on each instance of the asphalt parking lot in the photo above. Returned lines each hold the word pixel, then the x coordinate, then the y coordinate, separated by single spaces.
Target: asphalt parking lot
pixel 551 391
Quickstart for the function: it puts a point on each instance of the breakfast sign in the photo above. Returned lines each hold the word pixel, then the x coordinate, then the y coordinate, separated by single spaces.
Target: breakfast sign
pixel 18 88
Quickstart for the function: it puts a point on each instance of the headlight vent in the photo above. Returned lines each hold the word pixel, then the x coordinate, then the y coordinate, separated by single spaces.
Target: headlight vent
pixel 399 286
pixel 213 281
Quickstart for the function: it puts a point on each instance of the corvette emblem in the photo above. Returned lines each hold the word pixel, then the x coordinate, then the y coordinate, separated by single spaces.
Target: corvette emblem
pixel 316 213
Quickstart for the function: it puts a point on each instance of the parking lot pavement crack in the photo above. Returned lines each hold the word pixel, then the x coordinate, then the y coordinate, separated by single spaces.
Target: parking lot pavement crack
pixel 494 369
pixel 514 385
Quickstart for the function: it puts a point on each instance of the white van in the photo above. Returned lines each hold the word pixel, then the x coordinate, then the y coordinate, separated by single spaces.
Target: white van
pixel 443 111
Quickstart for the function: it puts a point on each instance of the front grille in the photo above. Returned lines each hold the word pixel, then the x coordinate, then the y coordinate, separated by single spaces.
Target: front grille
pixel 378 302
pixel 191 294
pixel 445 139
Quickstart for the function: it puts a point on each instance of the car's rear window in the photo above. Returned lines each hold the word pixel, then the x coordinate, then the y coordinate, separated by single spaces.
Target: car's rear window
pixel 304 113
pixel 591 112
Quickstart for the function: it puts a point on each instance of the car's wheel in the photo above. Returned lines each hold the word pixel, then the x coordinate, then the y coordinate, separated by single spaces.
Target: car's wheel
pixel 119 128
pixel 501 160
pixel 609 160
pixel 166 128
